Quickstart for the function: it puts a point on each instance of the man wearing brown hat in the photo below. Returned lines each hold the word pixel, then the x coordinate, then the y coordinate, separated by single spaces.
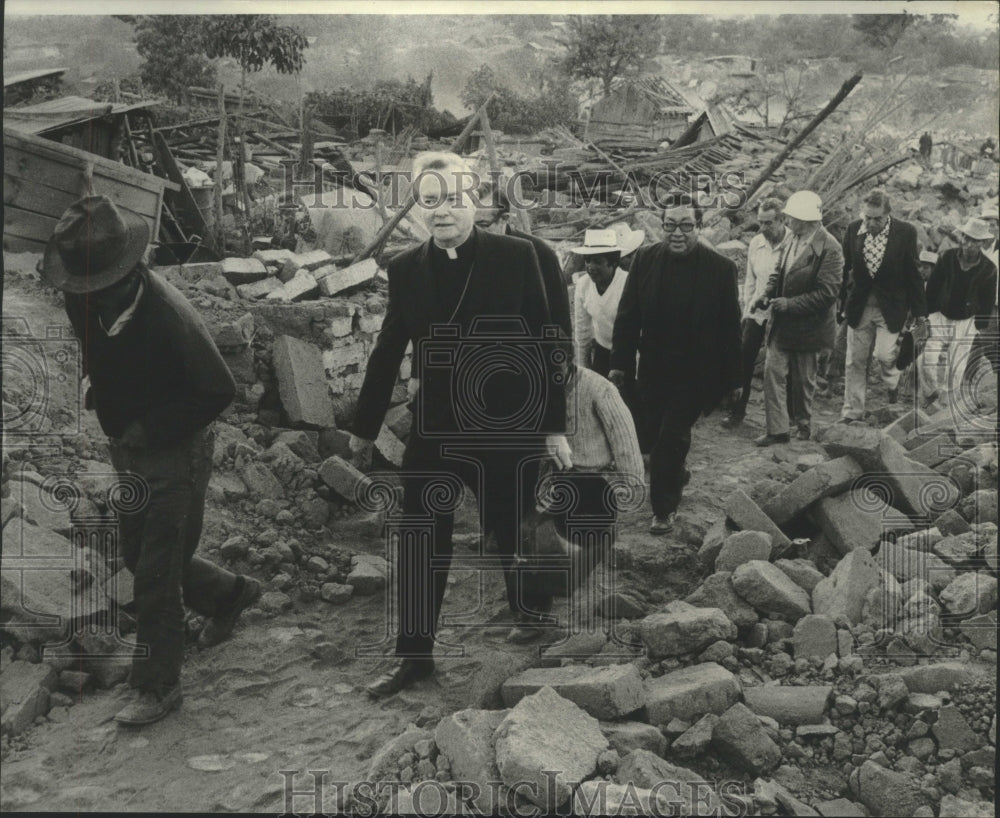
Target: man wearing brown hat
pixel 961 295
pixel 157 381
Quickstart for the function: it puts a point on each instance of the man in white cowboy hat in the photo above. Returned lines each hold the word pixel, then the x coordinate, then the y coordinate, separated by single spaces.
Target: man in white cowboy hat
pixel 925 264
pixel 597 295
pixel 961 296
pixel 158 382
pixel 991 215
pixel 802 295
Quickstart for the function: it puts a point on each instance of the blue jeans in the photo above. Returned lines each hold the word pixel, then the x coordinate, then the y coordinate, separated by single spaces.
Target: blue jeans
pixel 158 541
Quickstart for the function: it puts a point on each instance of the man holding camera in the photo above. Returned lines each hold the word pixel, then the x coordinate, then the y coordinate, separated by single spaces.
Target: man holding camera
pixel 802 295
pixel 466 430
pixel 681 313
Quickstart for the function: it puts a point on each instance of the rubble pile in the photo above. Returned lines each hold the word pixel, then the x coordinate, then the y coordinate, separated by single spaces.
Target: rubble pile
pixel 847 625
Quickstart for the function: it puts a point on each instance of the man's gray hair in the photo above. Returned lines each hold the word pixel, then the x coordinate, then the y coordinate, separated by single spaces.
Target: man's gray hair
pixel 437 163
pixel 772 205
pixel 878 198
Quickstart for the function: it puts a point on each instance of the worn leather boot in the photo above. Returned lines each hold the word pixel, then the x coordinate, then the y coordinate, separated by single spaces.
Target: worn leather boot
pixel 402 674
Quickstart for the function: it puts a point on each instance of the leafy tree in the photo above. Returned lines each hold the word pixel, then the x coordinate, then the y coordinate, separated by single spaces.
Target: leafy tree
pixel 255 40
pixel 512 113
pixel 173 53
pixel 604 47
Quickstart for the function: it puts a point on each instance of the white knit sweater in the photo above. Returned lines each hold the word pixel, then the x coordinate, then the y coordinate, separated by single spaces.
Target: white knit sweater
pixel 595 313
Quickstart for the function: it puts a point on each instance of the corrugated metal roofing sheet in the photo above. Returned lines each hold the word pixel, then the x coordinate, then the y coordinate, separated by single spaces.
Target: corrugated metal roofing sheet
pixel 58 113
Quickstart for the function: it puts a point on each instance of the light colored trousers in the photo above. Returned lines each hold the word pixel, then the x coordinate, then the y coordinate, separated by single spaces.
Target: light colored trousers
pixel 946 355
pixel 777 365
pixel 871 331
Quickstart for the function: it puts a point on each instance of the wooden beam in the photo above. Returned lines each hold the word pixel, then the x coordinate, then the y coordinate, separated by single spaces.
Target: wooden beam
pixel 219 153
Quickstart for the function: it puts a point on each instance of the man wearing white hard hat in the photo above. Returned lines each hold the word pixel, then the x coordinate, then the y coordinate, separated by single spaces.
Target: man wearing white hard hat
pixel 880 260
pixel 961 296
pixel 802 294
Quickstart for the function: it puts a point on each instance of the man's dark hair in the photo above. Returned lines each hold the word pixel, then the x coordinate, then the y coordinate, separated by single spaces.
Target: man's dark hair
pixel 683 200
pixel 878 198
pixel 494 196
pixel 613 257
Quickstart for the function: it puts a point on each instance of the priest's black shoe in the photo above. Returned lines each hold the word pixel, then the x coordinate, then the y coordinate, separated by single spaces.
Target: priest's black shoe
pixel 402 674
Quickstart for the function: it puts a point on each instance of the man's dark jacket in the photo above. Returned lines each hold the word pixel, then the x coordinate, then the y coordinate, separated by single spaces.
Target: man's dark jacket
pixel 896 284
pixel 552 277
pixel 505 282
pixel 979 284
pixel 162 371
pixel 716 345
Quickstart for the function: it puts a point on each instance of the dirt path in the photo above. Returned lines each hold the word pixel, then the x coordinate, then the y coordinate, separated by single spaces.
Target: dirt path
pixel 286 692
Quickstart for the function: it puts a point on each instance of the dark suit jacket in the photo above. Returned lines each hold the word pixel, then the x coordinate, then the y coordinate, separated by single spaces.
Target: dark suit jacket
pixel 980 288
pixel 897 285
pixel 505 283
pixel 555 287
pixel 639 326
pixel 810 282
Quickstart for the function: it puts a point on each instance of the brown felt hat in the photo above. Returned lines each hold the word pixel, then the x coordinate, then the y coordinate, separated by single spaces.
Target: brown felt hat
pixel 93 246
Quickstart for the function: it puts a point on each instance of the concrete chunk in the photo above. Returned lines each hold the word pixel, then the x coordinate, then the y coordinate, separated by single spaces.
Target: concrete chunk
pixel 24 694
pixel 934 452
pixel 906 423
pixel 625 736
pixel 685 631
pixel 604 692
pixel 886 792
pixel 546 733
pixel 815 636
pixel 466 740
pixel 686 791
pixel 742 547
pixel 695 740
pixel 746 515
pixel 312 260
pixel 243 270
pixel 297 288
pixel 36 588
pixel 843 592
pixel 906 564
pixel 860 442
pixel 690 693
pixel 789 704
pixel 337 281
pixel 740 735
pixel 608 798
pixel 368 574
pixel 769 590
pixel 275 259
pixel 341 476
pixel 938 676
pixel 802 572
pixel 399 419
pixel 970 593
pixel 390 446
pixel 717 592
pixel 916 489
pixel 825 480
pixel 259 289
pixel 302 385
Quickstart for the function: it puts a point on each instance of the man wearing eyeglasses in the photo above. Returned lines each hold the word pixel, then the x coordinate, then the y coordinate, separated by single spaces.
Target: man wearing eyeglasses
pixel 680 312
pixel 880 258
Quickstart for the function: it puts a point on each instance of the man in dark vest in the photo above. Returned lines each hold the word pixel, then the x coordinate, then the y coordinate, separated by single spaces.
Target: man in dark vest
pixel 680 312
pixel 157 381
pixel 468 426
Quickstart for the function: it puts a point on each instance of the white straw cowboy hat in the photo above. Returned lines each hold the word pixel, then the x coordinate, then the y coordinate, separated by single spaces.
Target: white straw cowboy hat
pixel 93 246
pixel 928 257
pixel 990 212
pixel 805 206
pixel 629 240
pixel 599 241
pixel 976 229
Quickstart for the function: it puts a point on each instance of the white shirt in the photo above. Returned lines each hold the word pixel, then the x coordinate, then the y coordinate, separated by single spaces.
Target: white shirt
pixel 126 316
pixel 595 312
pixel 762 259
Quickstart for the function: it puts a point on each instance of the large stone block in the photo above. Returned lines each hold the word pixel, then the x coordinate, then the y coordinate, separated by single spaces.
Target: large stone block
pixel 243 270
pixel 717 591
pixel 857 441
pixel 601 797
pixel 686 791
pixel 690 693
pixel 740 735
pixel 906 564
pixel 939 676
pixel 24 694
pixel 970 593
pixel 814 637
pixel 742 547
pixel 544 733
pixel 259 289
pixel 338 281
pixel 626 736
pixel 466 740
pixel 770 591
pixel 685 631
pixel 857 519
pixel 390 446
pixel 906 423
pixel 297 288
pixel 843 592
pixel 802 572
pixel 917 489
pixel 746 515
pixel 789 704
pixel 261 482
pixel 368 574
pixel 604 692
pixel 341 476
pixel 36 586
pixel 302 382
pixel 825 480
pixel 933 452
pixel 312 260
pixel 886 792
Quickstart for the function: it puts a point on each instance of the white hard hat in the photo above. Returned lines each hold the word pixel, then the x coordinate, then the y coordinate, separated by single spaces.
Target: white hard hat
pixel 805 206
